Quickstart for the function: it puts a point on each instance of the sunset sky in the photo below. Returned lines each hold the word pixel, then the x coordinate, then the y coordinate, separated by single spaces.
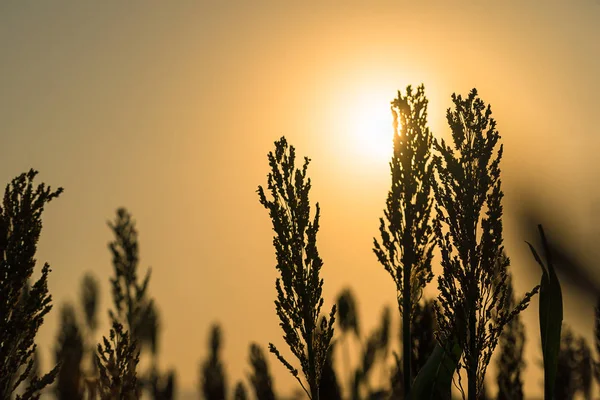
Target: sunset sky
pixel 169 109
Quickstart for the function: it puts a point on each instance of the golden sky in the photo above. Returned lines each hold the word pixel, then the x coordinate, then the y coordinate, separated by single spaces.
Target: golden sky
pixel 169 109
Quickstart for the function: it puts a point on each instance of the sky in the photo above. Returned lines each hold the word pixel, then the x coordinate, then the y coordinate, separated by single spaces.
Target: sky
pixel 169 109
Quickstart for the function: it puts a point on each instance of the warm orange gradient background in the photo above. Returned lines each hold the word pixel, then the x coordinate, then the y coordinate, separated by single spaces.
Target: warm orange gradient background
pixel 169 109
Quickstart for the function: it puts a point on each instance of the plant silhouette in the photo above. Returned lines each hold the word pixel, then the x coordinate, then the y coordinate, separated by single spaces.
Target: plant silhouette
pixel 468 194
pixel 475 312
pixel 260 378
pixel 133 306
pixel 75 343
pixel 240 392
pixel 22 307
pixel 69 354
pixel 117 359
pixel 406 247
pixel 214 386
pixel 299 288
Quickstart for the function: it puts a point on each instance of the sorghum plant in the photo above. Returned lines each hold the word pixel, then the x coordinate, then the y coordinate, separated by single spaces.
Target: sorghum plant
pixel 69 354
pixel 348 322
pixel 468 228
pixel 260 378
pixel 584 368
pixel 133 307
pixel 213 384
pixel 406 244
pixel 240 392
pixel 117 360
pixel 375 350
pixel 22 308
pixel 299 287
pixel 162 386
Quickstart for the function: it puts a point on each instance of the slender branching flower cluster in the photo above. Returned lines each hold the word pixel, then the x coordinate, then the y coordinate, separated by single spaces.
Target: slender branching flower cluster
pixel 22 308
pixel 510 362
pixel 260 378
pixel 468 227
pixel 117 360
pixel 134 308
pixel 406 246
pixel 299 288
pixel 135 318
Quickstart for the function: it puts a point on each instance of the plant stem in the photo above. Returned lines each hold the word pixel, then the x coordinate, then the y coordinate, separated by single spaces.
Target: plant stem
pixel 472 370
pixel 406 339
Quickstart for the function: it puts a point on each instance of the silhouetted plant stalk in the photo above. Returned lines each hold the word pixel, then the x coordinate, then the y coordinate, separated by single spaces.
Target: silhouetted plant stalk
pixel 374 352
pixel 468 228
pixel 213 382
pixel 75 344
pixel 133 306
pixel 69 354
pixel 406 244
pixel 240 392
pixel 299 287
pixel 22 307
pixel 260 378
pixel 348 322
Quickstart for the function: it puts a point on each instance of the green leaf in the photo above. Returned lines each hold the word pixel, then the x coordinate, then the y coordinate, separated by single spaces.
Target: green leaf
pixel 434 380
pixel 551 316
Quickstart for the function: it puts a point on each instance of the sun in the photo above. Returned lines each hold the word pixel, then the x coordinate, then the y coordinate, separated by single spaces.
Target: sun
pixel 370 125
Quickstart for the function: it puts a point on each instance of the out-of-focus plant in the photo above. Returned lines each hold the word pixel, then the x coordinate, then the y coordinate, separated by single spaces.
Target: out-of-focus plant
pixel 299 287
pixel 510 361
pixel 468 229
pixel 134 308
pixel 349 323
pixel 213 382
pixel 406 247
pixel 22 307
pixel 375 351
pixel 240 392
pixel 260 378
pixel 69 354
pixel 162 386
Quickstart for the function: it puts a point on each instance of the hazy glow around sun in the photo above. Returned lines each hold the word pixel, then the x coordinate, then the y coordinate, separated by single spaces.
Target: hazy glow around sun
pixel 370 125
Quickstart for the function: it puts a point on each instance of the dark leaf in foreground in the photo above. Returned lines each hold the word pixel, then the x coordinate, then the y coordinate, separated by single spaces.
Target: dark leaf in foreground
pixel 551 316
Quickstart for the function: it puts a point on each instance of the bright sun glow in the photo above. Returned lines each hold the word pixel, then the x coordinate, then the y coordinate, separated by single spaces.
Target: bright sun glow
pixel 370 124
